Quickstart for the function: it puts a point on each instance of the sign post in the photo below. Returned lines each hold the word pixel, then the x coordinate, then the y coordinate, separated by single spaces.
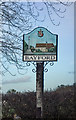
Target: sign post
pixel 40 45
pixel 39 89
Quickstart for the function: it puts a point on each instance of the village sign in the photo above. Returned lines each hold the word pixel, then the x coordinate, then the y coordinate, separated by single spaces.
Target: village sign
pixel 40 45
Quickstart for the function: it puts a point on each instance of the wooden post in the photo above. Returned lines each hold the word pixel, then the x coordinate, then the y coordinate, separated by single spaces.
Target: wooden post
pixel 39 89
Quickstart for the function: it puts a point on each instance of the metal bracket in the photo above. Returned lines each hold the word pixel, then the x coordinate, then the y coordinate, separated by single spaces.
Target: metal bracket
pixel 46 63
pixel 29 63
pixel 34 63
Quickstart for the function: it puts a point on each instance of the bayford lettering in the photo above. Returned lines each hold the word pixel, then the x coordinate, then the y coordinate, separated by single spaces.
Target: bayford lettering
pixel 39 57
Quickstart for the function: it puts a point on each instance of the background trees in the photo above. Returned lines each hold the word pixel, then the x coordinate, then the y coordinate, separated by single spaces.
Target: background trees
pixel 58 103
pixel 18 18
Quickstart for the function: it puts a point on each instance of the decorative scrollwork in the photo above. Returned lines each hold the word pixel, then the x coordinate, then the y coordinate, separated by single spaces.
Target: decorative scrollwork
pixel 27 63
pixel 52 63
pixel 46 69
pixel 34 69
pixel 35 65
pixel 46 63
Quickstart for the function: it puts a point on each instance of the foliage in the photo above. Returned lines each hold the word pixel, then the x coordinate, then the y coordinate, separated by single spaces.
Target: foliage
pixel 38 50
pixel 18 18
pixel 11 91
pixel 25 46
pixel 58 103
pixel 52 49
pixel 32 48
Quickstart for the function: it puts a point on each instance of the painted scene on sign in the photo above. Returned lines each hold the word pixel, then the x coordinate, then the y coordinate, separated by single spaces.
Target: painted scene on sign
pixel 40 41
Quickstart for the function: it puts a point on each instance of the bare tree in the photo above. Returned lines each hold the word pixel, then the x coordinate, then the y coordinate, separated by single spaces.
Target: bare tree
pixel 18 18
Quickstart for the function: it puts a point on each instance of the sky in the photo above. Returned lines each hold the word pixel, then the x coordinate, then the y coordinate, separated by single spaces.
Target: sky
pixel 62 72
